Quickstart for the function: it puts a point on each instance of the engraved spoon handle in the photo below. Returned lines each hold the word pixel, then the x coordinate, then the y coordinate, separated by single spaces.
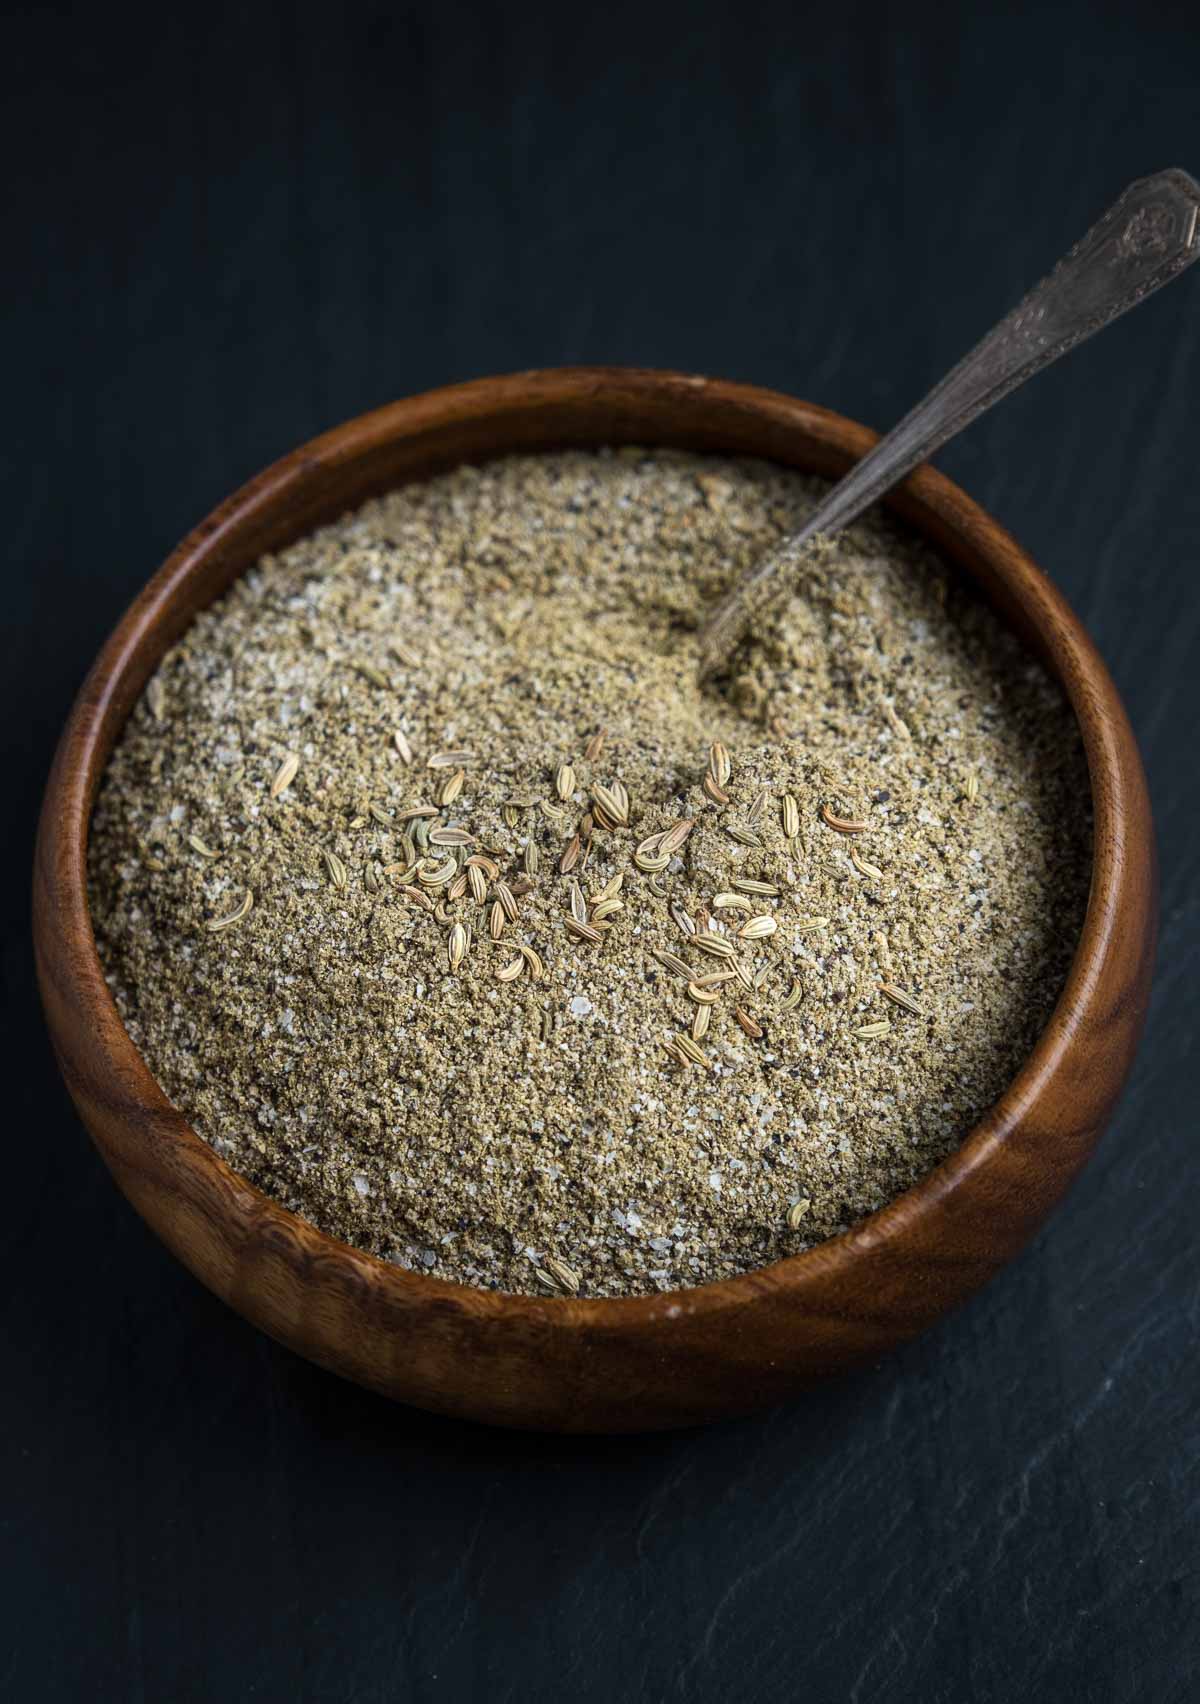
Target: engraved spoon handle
pixel 1145 239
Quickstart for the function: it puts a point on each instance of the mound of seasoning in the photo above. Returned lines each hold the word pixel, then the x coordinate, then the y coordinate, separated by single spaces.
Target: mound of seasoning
pixel 459 919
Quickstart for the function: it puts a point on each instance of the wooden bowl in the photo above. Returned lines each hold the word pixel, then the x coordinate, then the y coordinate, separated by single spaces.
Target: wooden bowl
pixel 654 1361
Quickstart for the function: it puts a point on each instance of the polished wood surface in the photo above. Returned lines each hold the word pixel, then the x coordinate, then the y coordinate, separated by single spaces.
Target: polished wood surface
pixel 573 1364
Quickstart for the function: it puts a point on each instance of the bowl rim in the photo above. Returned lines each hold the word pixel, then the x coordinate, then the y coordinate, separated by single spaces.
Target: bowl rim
pixel 925 498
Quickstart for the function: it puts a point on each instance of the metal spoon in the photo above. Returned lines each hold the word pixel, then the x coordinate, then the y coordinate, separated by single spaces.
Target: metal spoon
pixel 1145 239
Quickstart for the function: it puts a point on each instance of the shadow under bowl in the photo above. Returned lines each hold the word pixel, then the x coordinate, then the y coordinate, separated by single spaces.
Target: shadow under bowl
pixel 576 1364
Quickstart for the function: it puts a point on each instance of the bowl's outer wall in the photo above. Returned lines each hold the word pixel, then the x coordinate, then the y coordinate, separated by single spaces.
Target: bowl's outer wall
pixel 574 1364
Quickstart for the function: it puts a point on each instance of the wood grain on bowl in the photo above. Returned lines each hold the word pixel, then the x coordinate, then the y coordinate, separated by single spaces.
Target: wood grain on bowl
pixel 572 1364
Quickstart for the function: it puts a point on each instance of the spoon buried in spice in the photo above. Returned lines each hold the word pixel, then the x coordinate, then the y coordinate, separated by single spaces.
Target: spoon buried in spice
pixel 1148 236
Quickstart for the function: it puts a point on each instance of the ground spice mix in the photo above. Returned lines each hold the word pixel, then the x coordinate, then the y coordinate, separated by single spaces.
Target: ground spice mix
pixel 458 918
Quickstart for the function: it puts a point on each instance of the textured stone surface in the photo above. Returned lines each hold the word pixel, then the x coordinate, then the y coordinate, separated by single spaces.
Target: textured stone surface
pixel 230 233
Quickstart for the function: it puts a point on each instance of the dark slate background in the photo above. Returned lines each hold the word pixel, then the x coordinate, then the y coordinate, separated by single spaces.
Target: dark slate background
pixel 227 229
